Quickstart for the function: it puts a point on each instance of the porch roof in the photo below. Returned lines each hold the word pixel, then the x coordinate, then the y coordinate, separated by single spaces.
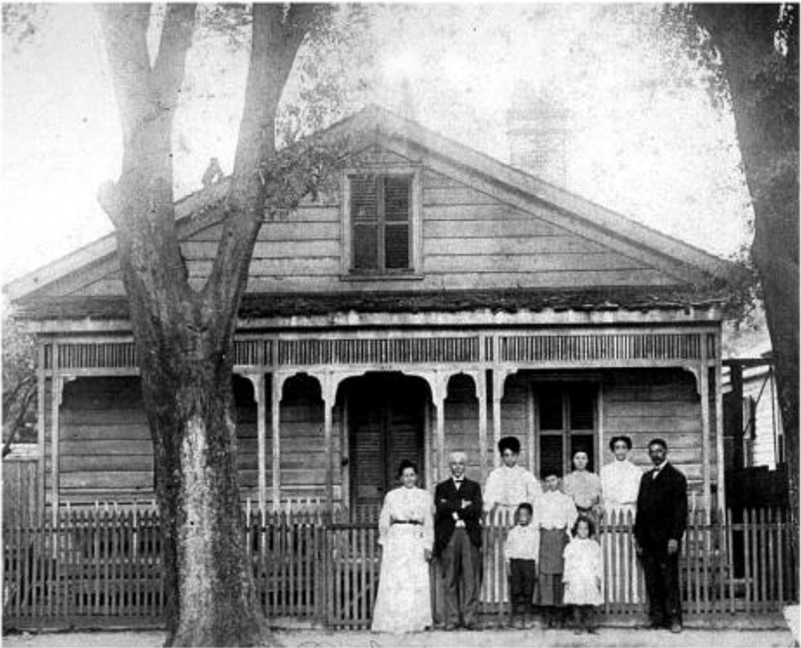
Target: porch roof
pixel 266 305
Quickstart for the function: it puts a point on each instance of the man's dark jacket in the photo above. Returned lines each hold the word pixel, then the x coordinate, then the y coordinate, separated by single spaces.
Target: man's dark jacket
pixel 448 499
pixel 661 509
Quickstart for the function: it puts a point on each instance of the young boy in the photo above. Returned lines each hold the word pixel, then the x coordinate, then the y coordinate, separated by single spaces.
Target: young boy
pixel 520 553
pixel 555 514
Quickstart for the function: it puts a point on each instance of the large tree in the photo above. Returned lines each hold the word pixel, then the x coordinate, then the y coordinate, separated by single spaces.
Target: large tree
pixel 184 336
pixel 755 49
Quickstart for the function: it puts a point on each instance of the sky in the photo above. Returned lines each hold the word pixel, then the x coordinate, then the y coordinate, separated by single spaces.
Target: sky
pixel 641 135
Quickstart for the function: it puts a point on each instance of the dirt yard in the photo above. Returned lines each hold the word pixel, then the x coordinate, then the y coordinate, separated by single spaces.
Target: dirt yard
pixel 621 638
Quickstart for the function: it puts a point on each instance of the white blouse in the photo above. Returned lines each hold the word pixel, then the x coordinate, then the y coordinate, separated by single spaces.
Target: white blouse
pixel 509 487
pixel 555 510
pixel 408 505
pixel 620 482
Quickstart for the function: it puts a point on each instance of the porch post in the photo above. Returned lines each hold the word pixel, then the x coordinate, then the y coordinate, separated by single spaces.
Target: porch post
pixel 498 378
pixel 328 388
pixel 57 387
pixel 721 464
pixel 705 431
pixel 257 380
pixel 41 425
pixel 481 392
pixel 440 391
pixel 276 383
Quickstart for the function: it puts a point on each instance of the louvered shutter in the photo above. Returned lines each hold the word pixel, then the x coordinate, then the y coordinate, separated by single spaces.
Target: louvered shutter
pixel 397 202
pixel 551 454
pixel 365 216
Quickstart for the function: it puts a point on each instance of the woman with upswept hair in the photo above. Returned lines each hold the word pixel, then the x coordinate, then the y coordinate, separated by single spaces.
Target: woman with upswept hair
pixel 406 535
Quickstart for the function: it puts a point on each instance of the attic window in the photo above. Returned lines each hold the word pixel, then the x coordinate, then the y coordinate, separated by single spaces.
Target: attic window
pixel 381 223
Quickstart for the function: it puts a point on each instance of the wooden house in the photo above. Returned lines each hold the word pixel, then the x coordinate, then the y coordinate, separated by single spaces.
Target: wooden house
pixel 437 300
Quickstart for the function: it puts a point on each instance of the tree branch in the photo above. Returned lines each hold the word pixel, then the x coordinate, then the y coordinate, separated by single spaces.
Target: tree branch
pixel 125 36
pixel 276 39
pixel 19 419
pixel 170 64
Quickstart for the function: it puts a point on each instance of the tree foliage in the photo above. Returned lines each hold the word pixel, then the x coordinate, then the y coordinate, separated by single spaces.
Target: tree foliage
pixel 752 51
pixel 19 382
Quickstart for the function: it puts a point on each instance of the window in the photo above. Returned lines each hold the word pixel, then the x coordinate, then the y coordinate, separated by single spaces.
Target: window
pixel 381 223
pixel 566 424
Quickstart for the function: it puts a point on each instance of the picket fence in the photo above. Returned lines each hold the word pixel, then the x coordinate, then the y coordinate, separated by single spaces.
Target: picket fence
pixel 101 565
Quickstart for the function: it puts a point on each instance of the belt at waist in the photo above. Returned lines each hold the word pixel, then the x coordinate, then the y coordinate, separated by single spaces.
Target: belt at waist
pixel 407 522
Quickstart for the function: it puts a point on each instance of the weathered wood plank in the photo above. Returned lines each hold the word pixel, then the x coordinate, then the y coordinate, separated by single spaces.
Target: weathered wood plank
pixel 106 463
pixel 105 447
pixel 488 228
pixel 268 249
pixel 494 263
pixel 100 480
pixel 132 432
pixel 461 195
pixel 511 245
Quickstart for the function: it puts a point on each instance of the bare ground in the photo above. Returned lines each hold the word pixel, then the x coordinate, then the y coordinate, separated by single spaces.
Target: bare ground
pixel 618 637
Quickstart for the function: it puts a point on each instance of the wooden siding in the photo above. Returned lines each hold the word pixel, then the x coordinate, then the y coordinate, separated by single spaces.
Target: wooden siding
pixel 461 423
pixel 646 404
pixel 106 452
pixel 470 240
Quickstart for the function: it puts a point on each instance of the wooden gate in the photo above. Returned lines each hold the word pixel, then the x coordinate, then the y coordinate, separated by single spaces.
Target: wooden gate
pixel 353 561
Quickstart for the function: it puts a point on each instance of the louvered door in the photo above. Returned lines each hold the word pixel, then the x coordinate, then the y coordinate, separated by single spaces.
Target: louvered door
pixel 386 426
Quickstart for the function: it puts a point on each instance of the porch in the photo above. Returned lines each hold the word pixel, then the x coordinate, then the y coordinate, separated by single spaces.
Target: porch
pixel 101 566
pixel 328 413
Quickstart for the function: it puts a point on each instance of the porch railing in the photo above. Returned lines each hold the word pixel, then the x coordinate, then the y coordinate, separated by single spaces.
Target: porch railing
pixel 102 565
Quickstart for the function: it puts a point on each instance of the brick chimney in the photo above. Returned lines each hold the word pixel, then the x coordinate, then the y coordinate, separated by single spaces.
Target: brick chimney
pixel 537 130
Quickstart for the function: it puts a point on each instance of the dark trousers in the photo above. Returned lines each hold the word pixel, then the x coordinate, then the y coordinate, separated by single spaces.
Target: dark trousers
pixel 662 584
pixel 522 578
pixel 461 568
pixel 584 617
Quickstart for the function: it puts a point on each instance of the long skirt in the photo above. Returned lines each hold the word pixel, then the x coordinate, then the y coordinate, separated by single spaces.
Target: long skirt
pixel 622 567
pixel 403 602
pixel 552 548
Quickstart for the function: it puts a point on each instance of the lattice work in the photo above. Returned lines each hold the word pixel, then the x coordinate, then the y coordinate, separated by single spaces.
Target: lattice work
pixel 98 354
pixel 649 346
pixel 120 355
pixel 378 351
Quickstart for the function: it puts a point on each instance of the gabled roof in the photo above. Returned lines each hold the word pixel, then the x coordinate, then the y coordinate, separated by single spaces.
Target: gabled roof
pixel 376 125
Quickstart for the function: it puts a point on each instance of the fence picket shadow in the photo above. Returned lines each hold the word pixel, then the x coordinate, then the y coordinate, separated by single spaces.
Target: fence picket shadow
pixel 103 562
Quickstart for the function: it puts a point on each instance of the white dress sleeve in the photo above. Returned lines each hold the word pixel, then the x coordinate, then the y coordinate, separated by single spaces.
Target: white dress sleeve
pixel 385 518
pixel 428 520
pixel 491 495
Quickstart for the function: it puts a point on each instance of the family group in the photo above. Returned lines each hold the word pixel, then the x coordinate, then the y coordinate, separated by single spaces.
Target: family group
pixel 552 554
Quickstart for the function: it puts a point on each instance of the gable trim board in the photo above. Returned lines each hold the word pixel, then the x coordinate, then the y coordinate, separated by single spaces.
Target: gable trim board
pixel 374 127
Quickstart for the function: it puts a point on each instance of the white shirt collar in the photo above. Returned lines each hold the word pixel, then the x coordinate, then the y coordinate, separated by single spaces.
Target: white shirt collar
pixel 658 468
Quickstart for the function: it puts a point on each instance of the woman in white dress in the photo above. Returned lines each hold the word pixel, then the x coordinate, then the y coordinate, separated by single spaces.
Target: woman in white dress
pixel 406 535
pixel 620 484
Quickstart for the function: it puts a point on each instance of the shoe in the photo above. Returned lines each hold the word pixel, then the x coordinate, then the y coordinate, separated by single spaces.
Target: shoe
pixel 656 625
pixel 520 624
pixel 449 627
pixel 593 631
pixel 675 627
pixel 470 626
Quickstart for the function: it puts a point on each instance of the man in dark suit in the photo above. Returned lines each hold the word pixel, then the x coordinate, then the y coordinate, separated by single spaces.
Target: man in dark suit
pixel 658 529
pixel 457 542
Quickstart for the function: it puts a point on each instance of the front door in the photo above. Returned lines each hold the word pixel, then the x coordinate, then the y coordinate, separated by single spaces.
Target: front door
pixel 387 422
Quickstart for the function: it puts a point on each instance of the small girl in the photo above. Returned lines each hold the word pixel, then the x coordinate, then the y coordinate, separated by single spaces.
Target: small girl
pixel 582 575
pixel 555 514
pixel 521 551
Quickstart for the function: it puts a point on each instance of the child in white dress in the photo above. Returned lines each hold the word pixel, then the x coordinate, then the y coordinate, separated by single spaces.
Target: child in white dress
pixel 582 575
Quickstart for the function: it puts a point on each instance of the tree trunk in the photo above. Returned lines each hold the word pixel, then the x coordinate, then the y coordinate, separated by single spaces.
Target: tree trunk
pixel 190 409
pixel 763 84
pixel 185 337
